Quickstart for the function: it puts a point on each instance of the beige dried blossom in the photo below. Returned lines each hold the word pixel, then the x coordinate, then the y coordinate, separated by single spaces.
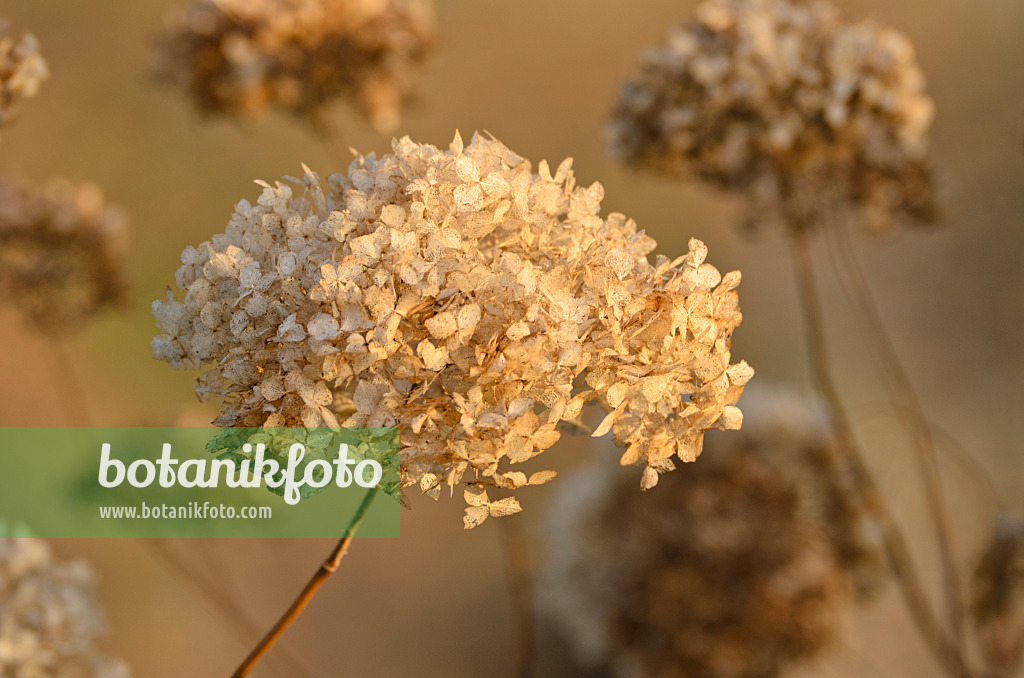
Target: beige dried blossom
pixel 240 57
pixel 808 117
pixel 61 252
pixel 735 569
pixel 469 300
pixel 49 617
pixel 22 71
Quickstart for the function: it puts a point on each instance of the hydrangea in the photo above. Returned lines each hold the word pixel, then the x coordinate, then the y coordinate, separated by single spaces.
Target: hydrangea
pixel 241 57
pixel 807 116
pixel 22 71
pixel 49 617
pixel 735 569
pixel 466 298
pixel 61 252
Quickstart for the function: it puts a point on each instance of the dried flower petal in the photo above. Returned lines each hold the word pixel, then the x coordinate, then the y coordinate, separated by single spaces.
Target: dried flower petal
pixel 22 71
pixel 807 117
pixel 736 568
pixel 49 617
pixel 476 325
pixel 61 256
pixel 240 57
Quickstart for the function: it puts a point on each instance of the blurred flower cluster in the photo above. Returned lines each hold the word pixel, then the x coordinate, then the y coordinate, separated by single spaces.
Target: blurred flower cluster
pixel 780 101
pixel 468 299
pixel 22 71
pixel 49 618
pixel 241 57
pixel 734 569
pixel 61 252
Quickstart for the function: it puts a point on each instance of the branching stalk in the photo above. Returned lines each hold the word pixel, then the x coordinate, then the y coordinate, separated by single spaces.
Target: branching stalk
pixel 890 369
pixel 897 552
pixel 955 453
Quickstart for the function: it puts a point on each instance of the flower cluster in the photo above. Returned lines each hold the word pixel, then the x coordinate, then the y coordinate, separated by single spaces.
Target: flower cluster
pixel 807 116
pixel 796 433
pixel 22 70
pixel 242 56
pixel 49 618
pixel 61 252
pixel 468 299
pixel 734 569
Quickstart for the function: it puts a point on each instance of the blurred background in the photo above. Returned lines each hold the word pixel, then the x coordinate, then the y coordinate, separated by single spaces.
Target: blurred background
pixel 541 77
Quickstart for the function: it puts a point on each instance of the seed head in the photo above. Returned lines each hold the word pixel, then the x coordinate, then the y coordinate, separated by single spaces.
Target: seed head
pixel 468 299
pixel 61 253
pixel 49 617
pixel 808 117
pixel 22 71
pixel 730 570
pixel 241 57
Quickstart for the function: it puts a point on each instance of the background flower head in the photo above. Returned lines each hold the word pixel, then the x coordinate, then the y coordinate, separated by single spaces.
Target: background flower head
pixel 808 116
pixel 49 617
pixel 241 57
pixel 737 568
pixel 62 252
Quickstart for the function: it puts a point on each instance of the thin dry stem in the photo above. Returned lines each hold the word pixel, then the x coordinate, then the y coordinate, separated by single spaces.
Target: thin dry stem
pixel 901 393
pixel 897 552
pixel 520 581
pixel 327 568
pixel 69 389
pixel 241 622
pixel 955 453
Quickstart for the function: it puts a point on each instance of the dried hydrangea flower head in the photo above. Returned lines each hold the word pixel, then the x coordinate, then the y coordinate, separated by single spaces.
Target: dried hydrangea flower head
pixel 22 71
pixel 795 432
pixel 61 253
pixel 809 117
pixel 468 299
pixel 49 617
pixel 240 57
pixel 730 570
pixel 998 603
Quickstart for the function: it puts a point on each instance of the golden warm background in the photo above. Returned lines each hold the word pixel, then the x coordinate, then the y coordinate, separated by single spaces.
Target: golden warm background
pixel 541 77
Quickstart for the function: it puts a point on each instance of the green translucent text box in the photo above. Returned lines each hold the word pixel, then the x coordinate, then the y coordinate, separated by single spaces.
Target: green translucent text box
pixel 49 483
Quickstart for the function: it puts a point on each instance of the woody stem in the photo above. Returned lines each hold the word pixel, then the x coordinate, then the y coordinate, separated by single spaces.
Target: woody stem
pixel 326 569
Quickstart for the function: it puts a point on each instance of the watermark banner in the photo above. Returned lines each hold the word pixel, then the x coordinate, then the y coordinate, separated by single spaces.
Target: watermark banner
pixel 199 482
